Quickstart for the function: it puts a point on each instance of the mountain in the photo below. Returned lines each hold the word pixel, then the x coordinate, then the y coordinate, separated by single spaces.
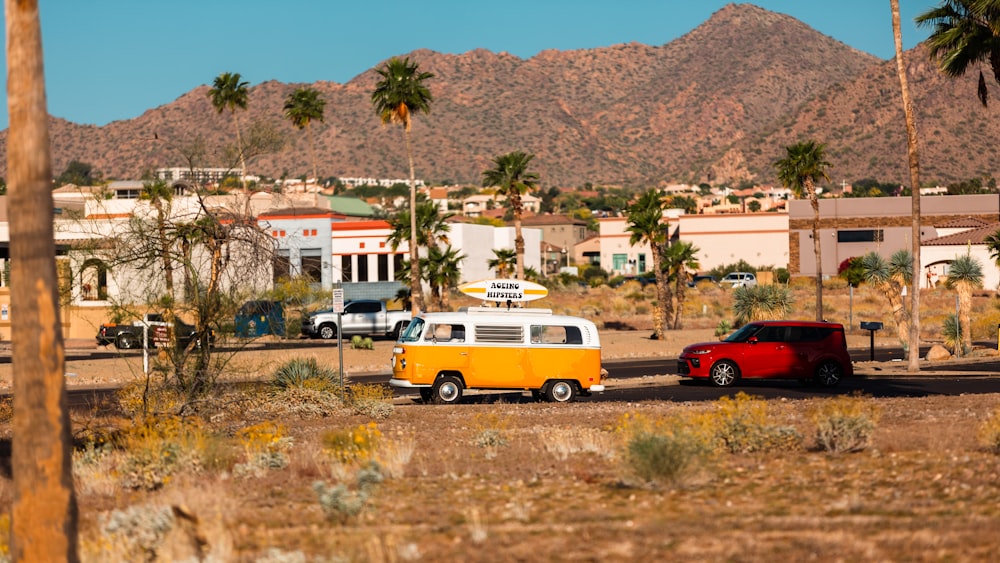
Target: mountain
pixel 717 104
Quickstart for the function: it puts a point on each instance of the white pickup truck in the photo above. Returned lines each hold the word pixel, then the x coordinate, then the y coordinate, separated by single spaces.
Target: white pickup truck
pixel 363 316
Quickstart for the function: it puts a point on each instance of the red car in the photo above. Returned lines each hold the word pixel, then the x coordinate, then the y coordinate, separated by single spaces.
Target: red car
pixel 803 350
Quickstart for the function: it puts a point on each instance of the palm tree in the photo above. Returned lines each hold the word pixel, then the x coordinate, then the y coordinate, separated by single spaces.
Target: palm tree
pixel 512 179
pixel 761 302
pixel 504 261
pixel 914 164
pixel 44 510
pixel 965 273
pixel 647 225
pixel 802 166
pixel 993 245
pixel 398 94
pixel 302 107
pixel 442 272
pixel 964 36
pixel 680 260
pixel 890 277
pixel 228 92
pixel 432 226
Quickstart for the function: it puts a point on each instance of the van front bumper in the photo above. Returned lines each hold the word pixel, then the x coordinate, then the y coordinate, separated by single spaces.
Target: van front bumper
pixel 405 383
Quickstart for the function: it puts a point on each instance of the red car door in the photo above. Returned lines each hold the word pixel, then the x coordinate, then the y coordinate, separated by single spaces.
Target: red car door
pixel 768 354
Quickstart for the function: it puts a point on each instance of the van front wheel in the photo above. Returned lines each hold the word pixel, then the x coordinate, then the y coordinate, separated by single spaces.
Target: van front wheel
pixel 447 390
pixel 560 391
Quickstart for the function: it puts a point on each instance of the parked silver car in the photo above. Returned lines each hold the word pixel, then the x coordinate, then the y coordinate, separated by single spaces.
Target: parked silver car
pixel 739 279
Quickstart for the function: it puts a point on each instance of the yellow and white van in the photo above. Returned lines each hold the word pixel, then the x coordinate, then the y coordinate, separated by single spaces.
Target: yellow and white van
pixel 555 357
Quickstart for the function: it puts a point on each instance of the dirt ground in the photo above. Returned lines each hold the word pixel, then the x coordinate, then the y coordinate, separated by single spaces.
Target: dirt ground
pixel 497 479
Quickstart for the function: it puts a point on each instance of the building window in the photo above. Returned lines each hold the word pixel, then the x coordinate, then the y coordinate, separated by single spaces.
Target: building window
pixel 281 266
pixel 383 267
pixel 362 267
pixel 861 235
pixel 397 262
pixel 618 261
pixel 346 272
pixel 642 263
pixel 312 264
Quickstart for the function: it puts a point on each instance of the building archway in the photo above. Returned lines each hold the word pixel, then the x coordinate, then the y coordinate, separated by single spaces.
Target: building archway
pixel 94 280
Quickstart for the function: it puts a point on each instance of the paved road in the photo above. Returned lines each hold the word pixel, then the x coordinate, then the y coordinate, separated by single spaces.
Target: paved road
pixel 887 379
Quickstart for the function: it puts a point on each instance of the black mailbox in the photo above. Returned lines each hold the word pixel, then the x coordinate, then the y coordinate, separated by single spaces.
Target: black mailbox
pixel 871 326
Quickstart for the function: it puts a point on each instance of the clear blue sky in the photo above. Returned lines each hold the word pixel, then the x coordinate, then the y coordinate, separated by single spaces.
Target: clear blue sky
pixel 107 60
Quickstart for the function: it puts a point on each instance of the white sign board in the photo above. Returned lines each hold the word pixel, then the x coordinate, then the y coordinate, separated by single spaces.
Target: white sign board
pixel 338 300
pixel 504 290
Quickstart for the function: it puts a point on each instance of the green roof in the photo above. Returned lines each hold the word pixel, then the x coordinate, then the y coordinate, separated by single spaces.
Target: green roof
pixel 350 206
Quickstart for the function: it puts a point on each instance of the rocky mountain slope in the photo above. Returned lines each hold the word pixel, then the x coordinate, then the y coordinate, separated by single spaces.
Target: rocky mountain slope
pixel 717 104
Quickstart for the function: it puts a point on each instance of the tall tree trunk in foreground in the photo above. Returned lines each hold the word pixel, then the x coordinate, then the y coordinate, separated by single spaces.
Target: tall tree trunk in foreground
pixel 913 354
pixel 44 514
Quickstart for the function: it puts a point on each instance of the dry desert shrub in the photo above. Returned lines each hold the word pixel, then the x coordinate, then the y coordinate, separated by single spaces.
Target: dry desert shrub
pixel 491 431
pixel 845 423
pixel 989 432
pixel 265 447
pixel 6 410
pixel 564 442
pixel 158 448
pixel 662 450
pixel 141 398
pixel 373 400
pixel 743 424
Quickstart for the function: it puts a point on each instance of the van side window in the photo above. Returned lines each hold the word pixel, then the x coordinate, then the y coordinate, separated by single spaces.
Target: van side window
pixel 445 333
pixel 500 334
pixel 549 334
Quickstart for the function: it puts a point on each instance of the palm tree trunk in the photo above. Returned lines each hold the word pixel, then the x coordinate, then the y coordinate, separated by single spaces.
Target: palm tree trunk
pixel 44 512
pixel 416 290
pixel 518 247
pixel 312 153
pixel 912 153
pixel 660 312
pixel 239 147
pixel 965 313
pixel 678 301
pixel 811 190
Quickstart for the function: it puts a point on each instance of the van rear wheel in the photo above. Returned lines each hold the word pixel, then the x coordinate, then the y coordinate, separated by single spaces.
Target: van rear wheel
pixel 447 390
pixel 560 391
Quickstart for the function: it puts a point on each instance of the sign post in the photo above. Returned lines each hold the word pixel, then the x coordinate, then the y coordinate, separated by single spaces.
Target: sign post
pixel 338 307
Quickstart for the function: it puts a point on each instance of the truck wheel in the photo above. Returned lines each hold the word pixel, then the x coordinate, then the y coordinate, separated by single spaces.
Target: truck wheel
pixel 126 341
pixel 560 391
pixel 328 331
pixel 447 390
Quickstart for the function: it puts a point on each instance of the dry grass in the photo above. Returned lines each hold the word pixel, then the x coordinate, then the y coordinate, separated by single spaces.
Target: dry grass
pixel 538 481
pixel 559 487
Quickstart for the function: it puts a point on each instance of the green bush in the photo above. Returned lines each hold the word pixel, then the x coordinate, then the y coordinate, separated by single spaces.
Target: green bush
pixel 339 503
pixel 304 372
pixel 656 457
pixel 723 328
pixel 359 342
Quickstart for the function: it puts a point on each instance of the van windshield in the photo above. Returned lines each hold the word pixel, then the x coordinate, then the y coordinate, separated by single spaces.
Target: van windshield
pixel 413 331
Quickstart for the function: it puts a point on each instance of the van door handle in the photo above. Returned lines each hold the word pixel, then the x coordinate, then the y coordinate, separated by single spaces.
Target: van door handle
pixel 463 353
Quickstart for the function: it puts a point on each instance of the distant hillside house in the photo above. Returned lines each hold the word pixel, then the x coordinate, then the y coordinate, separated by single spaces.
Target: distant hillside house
pixel 477 205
